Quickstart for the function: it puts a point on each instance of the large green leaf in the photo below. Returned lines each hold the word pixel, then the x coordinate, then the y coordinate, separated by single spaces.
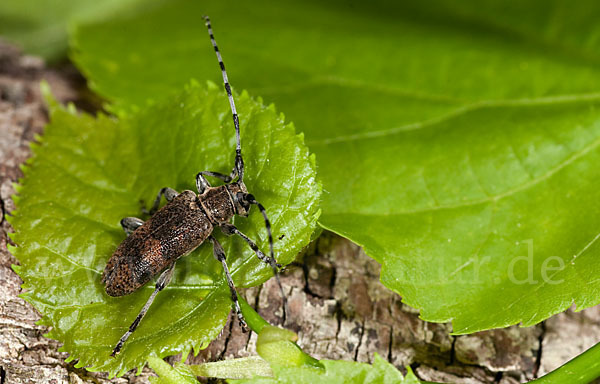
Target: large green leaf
pixel 449 135
pixel 40 26
pixel 88 173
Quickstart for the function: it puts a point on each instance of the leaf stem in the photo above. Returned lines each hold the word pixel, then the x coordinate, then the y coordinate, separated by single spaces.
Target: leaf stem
pixel 276 345
pixel 253 319
pixel 580 370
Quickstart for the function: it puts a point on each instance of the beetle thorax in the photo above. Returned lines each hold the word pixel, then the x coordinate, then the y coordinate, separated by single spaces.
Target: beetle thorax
pixel 218 204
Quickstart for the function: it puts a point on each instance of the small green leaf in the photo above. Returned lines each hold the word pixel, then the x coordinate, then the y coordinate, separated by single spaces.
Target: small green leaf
pixel 288 364
pixel 334 372
pixel 458 142
pixel 347 372
pixel 242 368
pixel 170 375
pixel 88 173
pixel 278 347
pixel 581 370
pixel 245 367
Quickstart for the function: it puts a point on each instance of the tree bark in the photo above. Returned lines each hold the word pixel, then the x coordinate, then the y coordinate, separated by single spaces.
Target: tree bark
pixel 337 305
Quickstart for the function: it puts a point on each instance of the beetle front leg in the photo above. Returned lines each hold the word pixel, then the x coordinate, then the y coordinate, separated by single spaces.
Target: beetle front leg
pixel 161 283
pixel 202 183
pixel 220 255
pixel 130 224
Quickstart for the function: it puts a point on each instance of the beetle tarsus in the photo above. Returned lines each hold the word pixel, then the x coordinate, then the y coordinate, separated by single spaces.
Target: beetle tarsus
pixel 117 350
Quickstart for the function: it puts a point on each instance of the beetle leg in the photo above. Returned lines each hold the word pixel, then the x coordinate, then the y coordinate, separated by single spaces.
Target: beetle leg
pixel 230 229
pixel 202 183
pixel 162 282
pixel 130 224
pixel 169 195
pixel 220 255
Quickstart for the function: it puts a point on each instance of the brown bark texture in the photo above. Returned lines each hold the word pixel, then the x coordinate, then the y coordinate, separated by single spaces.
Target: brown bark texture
pixel 337 305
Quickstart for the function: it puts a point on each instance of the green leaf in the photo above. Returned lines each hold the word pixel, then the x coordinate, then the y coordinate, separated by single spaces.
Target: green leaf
pixel 88 173
pixel 291 365
pixel 168 374
pixel 288 364
pixel 347 372
pixel 40 26
pixel 276 345
pixel 242 368
pixel 583 369
pixel 457 141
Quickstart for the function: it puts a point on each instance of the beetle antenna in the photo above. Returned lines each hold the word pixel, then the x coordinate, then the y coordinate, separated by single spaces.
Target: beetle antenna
pixel 276 267
pixel 239 162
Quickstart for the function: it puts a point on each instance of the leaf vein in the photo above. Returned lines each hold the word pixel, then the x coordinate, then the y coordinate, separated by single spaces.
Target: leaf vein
pixel 493 198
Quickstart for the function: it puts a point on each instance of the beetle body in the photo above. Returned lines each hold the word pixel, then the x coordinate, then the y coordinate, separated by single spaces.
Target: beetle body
pixel 173 231
pixel 185 222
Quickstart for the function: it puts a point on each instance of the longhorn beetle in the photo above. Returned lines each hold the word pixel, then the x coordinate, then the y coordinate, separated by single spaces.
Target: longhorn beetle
pixel 185 222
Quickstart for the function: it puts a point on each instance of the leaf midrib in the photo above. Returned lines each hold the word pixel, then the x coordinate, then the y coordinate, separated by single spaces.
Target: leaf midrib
pixel 460 111
pixel 492 198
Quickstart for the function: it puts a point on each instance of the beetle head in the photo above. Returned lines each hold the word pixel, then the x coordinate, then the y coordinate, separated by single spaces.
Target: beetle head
pixel 240 198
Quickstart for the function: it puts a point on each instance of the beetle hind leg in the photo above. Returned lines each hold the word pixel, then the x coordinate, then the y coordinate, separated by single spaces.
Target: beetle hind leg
pixel 161 283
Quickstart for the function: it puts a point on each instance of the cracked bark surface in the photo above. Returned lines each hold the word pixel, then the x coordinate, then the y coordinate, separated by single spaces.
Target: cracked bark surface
pixel 337 305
